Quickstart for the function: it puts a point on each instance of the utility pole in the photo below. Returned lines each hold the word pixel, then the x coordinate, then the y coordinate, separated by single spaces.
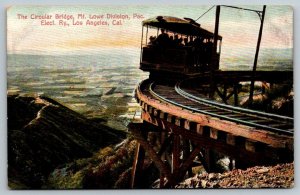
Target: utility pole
pixel 262 17
pixel 214 62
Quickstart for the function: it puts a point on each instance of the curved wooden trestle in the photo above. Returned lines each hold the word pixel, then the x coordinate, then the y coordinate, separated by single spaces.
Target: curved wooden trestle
pixel 176 140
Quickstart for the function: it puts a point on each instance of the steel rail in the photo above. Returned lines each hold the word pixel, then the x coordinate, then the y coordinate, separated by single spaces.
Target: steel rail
pixel 233 108
pixel 251 124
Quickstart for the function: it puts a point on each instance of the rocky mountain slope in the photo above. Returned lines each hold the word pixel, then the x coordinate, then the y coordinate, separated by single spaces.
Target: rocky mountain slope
pixel 43 134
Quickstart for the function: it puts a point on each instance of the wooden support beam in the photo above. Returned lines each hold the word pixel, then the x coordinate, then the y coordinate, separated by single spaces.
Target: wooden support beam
pixel 150 109
pixel 209 160
pixel 171 118
pixel 163 168
pixel 179 122
pixel 202 160
pixel 137 166
pixel 231 164
pixel 222 136
pixel 156 112
pixel 186 150
pixel 148 118
pixel 213 133
pixel 163 115
pixel 229 95
pixel 254 146
pixel 199 129
pixel 236 97
pixel 250 145
pixel 221 95
pixel 193 126
pixel 230 139
pixel 225 91
pixel 146 107
pixel 142 103
pixel 176 154
pixel 187 124
pixel 206 131
pixel 165 144
pixel 188 162
pixel 139 157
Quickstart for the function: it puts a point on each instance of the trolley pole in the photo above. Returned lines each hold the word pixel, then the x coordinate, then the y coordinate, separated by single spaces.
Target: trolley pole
pixel 214 62
pixel 256 56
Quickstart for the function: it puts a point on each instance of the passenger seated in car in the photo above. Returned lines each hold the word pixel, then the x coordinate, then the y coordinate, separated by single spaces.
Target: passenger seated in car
pixel 162 39
pixel 151 41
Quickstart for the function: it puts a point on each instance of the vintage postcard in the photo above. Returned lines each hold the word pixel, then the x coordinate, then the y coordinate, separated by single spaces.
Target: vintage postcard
pixel 145 96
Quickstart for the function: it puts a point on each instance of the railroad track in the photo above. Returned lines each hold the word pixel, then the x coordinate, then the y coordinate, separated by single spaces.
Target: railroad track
pixel 180 97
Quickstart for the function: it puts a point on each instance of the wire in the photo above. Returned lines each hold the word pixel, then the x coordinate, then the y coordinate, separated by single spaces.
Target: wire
pixel 253 10
pixel 205 12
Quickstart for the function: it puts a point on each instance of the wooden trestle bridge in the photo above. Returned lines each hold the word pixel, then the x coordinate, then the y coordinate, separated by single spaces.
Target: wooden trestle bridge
pixel 182 127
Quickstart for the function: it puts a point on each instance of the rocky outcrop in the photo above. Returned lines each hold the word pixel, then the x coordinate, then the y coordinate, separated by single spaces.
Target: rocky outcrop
pixel 43 134
pixel 279 176
pixel 284 105
pixel 108 168
pixel 279 100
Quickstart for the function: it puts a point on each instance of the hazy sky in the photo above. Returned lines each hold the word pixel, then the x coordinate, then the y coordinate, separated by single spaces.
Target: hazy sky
pixel 238 28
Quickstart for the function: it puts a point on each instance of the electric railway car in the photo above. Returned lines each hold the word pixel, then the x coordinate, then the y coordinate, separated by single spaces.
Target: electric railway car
pixel 174 46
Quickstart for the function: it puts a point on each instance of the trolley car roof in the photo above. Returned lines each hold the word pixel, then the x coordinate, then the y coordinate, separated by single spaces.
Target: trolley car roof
pixel 177 25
